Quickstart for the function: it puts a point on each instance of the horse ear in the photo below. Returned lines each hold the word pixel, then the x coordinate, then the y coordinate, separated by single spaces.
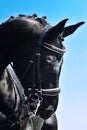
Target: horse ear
pixel 52 33
pixel 70 29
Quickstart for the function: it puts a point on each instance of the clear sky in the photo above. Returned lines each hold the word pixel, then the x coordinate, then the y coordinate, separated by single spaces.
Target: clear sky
pixel 72 111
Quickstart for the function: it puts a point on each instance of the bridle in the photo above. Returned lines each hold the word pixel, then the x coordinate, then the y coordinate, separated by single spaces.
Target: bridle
pixel 35 62
pixel 37 90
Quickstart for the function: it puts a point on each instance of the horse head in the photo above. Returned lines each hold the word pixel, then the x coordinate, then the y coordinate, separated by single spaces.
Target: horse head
pixel 51 63
pixel 36 49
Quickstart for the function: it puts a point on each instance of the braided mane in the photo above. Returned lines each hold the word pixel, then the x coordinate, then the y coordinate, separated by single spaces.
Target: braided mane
pixel 41 20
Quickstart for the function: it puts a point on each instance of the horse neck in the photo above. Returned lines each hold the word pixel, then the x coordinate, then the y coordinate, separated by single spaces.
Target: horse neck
pixel 23 56
pixel 21 39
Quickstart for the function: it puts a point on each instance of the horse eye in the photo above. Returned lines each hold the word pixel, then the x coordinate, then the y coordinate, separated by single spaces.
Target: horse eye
pixel 49 59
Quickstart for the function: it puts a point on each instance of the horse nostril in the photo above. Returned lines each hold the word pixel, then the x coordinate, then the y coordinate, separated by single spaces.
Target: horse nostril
pixel 50 110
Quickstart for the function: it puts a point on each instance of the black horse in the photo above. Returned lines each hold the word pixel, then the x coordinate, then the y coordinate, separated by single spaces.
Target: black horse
pixel 35 49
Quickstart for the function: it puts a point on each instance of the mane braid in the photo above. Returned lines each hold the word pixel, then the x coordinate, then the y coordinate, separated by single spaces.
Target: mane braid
pixel 33 17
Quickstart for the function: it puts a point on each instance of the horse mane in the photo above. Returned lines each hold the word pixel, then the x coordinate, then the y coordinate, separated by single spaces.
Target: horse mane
pixel 41 20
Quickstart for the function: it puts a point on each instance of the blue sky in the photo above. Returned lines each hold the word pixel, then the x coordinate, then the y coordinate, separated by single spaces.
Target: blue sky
pixel 72 111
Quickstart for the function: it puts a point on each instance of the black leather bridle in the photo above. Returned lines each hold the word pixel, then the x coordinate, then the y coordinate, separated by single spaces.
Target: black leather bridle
pixel 35 62
pixel 36 92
